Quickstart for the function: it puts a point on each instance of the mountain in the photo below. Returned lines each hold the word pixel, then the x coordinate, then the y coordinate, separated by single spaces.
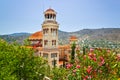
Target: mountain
pixel 110 34
pixel 18 37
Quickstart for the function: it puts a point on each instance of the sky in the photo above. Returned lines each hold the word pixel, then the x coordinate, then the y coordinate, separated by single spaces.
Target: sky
pixel 72 15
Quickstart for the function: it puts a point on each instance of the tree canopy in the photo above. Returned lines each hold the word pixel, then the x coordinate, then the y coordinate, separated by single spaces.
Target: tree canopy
pixel 18 63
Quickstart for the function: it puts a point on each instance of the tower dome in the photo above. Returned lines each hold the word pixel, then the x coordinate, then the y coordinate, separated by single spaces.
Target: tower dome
pixel 50 14
pixel 50 11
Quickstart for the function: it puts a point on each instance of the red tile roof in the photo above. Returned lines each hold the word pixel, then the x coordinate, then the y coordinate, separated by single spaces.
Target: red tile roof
pixel 64 47
pixel 60 62
pixel 36 36
pixel 72 38
pixel 40 48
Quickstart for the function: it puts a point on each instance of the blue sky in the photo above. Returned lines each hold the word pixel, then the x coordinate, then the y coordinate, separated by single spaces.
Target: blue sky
pixel 72 15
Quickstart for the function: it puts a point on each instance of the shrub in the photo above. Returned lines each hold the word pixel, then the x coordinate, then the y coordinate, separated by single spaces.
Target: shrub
pixel 97 64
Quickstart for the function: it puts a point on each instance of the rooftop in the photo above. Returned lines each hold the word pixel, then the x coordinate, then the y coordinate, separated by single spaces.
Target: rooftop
pixel 36 36
pixel 72 38
pixel 50 11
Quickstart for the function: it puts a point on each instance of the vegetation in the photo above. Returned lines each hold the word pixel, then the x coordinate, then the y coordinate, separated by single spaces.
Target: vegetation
pixel 19 63
pixel 98 64
pixel 58 74
pixel 95 63
pixel 26 42
pixel 73 52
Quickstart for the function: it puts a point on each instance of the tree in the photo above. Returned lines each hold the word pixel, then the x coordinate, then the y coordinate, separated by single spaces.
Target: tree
pixel 26 42
pixel 18 63
pixel 73 52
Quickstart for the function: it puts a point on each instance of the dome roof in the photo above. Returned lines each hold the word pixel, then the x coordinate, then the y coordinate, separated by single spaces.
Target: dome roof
pixel 36 36
pixel 72 38
pixel 50 11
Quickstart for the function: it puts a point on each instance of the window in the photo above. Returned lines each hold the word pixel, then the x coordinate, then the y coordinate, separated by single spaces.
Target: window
pixel 54 31
pixel 50 16
pixel 53 55
pixel 45 55
pixel 54 62
pixel 45 31
pixel 45 42
pixel 40 53
pixel 53 42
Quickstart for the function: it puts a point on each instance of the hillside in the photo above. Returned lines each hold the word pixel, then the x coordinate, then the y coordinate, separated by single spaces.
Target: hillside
pixel 18 37
pixel 110 34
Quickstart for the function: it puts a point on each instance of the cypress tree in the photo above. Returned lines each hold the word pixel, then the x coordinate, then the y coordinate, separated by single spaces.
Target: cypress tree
pixel 73 52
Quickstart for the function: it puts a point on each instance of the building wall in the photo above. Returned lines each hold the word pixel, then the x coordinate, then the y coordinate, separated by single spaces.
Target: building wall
pixel 50 56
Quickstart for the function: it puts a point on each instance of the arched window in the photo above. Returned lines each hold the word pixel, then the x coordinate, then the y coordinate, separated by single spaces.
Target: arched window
pixel 53 42
pixel 50 16
pixel 45 42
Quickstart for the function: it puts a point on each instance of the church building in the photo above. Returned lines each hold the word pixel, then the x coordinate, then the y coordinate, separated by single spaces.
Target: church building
pixel 46 41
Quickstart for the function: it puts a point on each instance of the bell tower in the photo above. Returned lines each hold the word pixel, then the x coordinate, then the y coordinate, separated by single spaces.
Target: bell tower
pixel 50 37
pixel 50 30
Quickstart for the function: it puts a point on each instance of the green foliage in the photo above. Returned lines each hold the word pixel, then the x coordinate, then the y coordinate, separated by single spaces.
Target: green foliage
pixel 26 42
pixel 18 63
pixel 73 52
pixel 59 74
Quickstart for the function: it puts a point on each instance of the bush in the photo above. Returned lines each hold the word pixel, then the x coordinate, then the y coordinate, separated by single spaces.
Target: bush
pixel 98 64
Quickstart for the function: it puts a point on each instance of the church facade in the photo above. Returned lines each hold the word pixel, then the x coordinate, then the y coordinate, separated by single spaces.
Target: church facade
pixel 46 41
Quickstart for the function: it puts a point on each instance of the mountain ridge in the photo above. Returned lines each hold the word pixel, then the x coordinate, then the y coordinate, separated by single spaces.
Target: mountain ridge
pixel 110 34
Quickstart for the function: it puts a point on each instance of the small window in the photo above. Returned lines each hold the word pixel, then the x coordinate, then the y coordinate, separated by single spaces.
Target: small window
pixel 54 62
pixel 53 55
pixel 45 42
pixel 45 55
pixel 53 42
pixel 40 54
